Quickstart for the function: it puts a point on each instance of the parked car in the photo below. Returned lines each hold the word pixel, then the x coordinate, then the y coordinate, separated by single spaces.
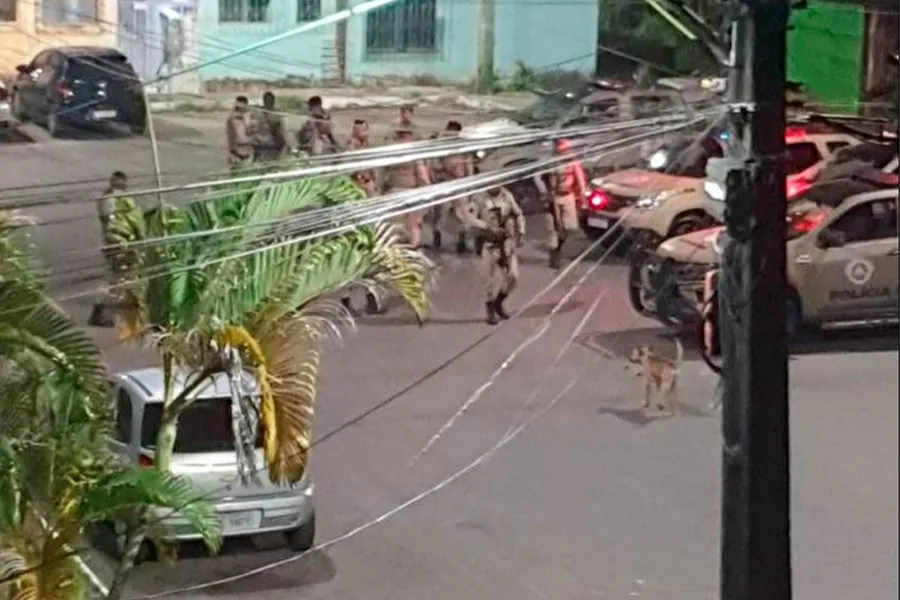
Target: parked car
pixel 5 109
pixel 205 454
pixel 566 110
pixel 677 165
pixel 680 208
pixel 842 260
pixel 79 87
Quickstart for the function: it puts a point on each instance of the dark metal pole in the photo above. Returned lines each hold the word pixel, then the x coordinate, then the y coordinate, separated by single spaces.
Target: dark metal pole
pixel 756 557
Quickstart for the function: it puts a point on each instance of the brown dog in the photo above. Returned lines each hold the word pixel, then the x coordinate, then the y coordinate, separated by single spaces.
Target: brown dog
pixel 660 375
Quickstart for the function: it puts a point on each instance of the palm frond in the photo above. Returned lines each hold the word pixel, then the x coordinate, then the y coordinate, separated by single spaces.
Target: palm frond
pixel 12 566
pixel 42 328
pixel 123 490
pixel 291 358
pixel 399 268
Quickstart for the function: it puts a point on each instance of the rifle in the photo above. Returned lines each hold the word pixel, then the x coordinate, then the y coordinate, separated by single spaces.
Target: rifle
pixel 502 231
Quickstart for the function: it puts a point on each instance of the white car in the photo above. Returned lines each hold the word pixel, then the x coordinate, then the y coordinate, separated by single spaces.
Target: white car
pixel 5 109
pixel 205 454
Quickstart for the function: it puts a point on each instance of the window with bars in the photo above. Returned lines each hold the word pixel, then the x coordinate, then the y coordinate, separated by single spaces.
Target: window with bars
pixel 405 26
pixel 8 11
pixel 243 11
pixel 309 10
pixel 68 12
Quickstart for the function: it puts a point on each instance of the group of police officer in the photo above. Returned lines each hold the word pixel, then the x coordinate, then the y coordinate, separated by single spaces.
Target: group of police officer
pixel 494 216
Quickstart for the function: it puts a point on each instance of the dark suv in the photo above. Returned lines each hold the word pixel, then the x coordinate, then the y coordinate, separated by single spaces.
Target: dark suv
pixel 79 87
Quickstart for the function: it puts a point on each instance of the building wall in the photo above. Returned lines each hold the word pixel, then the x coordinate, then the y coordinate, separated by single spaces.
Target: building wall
pixel 433 38
pixel 540 33
pixel 21 39
pixel 298 56
pixel 546 35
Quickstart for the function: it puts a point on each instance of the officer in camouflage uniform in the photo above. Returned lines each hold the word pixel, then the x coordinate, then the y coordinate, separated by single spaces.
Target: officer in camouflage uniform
pixel 315 137
pixel 114 201
pixel 407 176
pixel 239 134
pixel 501 224
pixel 367 181
pixel 456 166
pixel 270 140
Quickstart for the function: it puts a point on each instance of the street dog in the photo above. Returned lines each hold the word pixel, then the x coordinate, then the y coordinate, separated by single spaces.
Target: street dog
pixel 660 375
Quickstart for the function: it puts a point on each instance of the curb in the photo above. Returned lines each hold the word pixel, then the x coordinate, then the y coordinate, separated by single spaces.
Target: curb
pixel 358 102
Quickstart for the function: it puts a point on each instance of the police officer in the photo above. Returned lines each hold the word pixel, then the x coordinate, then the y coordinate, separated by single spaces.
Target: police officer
pixel 239 134
pixel 567 186
pixel 500 222
pixel 456 166
pixel 113 202
pixel 315 137
pixel 407 176
pixel 270 140
pixel 405 122
pixel 366 180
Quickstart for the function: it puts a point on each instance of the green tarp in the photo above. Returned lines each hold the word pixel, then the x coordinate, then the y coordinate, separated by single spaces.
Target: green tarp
pixel 825 53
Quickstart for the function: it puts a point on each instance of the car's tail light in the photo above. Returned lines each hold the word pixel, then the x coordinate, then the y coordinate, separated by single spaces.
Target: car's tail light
pixel 794 133
pixel 795 187
pixel 145 461
pixel 807 223
pixel 63 89
pixel 597 200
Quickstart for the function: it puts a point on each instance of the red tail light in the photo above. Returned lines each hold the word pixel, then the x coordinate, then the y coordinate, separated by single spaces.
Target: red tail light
pixel 794 133
pixel 807 224
pixel 598 200
pixel 63 89
pixel 795 187
pixel 144 461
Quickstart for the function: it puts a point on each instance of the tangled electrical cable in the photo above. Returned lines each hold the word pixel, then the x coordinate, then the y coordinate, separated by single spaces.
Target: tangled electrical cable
pixel 344 218
pixel 396 154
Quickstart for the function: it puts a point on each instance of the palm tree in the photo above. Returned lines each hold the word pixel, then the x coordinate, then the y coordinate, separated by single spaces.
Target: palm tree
pixel 230 290
pixel 56 475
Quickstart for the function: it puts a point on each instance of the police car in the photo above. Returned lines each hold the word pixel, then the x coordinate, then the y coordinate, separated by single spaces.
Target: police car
pixel 842 263
pixel 657 205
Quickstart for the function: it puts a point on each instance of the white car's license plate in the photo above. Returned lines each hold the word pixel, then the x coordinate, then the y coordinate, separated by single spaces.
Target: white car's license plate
pixel 104 114
pixel 598 222
pixel 241 521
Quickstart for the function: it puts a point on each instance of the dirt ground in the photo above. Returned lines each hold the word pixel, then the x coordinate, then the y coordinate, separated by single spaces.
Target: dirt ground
pixel 208 127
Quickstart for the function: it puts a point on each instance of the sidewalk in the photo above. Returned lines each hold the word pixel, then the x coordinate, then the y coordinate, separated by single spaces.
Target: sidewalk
pixel 344 98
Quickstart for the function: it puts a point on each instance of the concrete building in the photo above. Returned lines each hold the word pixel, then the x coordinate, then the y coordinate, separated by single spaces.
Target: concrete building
pixel 29 26
pixel 433 38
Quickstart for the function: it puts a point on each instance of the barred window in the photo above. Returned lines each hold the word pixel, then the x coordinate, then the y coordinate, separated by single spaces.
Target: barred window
pixel 243 11
pixel 68 12
pixel 7 11
pixel 405 26
pixel 309 10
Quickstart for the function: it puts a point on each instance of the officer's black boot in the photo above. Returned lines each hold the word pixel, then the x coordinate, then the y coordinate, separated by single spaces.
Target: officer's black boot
pixel 461 247
pixel 436 239
pixel 372 306
pixel 555 261
pixel 491 313
pixel 498 306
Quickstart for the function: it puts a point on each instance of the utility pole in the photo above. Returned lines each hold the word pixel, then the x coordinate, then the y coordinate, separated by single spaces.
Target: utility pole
pixel 484 77
pixel 755 540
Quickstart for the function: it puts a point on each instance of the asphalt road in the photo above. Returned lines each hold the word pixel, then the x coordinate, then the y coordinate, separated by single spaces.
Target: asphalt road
pixel 590 500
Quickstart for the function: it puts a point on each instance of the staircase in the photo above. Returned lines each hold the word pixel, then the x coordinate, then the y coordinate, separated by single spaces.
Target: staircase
pixel 331 64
